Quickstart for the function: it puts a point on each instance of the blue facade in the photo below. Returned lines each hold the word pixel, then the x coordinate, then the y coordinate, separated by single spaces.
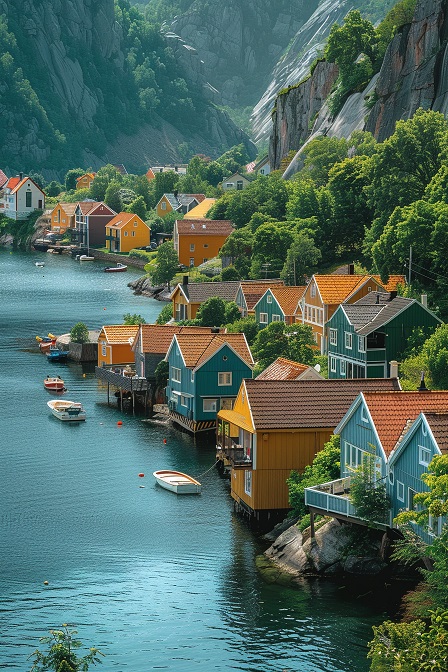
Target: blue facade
pixel 267 310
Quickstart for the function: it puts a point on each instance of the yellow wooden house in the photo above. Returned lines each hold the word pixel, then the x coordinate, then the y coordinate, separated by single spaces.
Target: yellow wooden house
pixel 63 217
pixel 115 344
pixel 85 181
pixel 125 232
pixel 277 426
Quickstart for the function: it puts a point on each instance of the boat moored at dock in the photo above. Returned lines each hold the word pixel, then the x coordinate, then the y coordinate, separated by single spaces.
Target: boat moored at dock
pixel 177 482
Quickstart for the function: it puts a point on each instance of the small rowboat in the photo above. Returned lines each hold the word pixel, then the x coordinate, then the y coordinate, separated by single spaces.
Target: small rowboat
pixel 177 482
pixel 116 269
pixel 67 411
pixel 54 383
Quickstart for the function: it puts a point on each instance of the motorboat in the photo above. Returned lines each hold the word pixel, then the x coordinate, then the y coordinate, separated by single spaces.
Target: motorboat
pixel 67 411
pixel 45 342
pixel 40 263
pixel 116 269
pixel 85 257
pixel 176 481
pixel 54 384
pixel 55 354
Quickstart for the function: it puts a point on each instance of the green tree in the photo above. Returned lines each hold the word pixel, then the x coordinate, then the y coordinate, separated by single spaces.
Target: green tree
pixel 238 248
pixel 166 314
pixel 161 373
pixel 112 196
pixel 271 244
pixel 435 351
pixel 321 154
pixel 245 325
pixel 367 494
pixel 103 178
pixel 79 333
pixel 212 313
pixel 138 207
pixel 134 318
pixel 53 188
pixel 301 260
pixel 61 655
pixel 166 264
pixel 163 183
pixel 229 273
pixel 294 342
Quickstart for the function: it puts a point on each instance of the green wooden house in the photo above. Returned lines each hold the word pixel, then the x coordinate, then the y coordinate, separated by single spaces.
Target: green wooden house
pixel 279 304
pixel 364 337
pixel 205 374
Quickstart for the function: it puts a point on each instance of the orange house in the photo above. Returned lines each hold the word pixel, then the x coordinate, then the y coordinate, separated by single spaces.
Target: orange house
pixel 324 293
pixel 85 181
pixel 125 232
pixel 175 202
pixel 115 344
pixel 63 217
pixel 198 240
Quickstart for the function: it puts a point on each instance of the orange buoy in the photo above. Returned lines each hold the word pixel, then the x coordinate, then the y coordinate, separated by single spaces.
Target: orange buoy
pixel 164 440
pixel 141 475
pixel 45 583
pixel 119 423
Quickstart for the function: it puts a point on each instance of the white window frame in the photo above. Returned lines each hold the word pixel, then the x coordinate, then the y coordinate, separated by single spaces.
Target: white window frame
pixel 343 367
pixel 183 400
pixel 163 205
pixel 103 350
pixel 176 374
pixel 313 290
pixel 424 453
pixel 224 378
pixel 361 343
pixel 333 336
pixel 333 364
pixel 191 247
pixel 263 318
pixel 248 482
pixel 400 491
pixel 207 405
pixel 125 233
pixel 276 318
pixel 269 298
pixel 133 233
pixel 192 376
pixel 348 340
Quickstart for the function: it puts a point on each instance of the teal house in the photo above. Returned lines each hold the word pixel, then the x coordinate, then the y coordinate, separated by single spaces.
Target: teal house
pixel 205 374
pixel 387 429
pixel 364 337
pixel 250 291
pixel 279 304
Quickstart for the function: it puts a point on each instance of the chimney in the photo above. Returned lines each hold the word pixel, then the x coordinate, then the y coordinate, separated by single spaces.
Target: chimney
pixel 425 300
pixel 175 193
pixel 393 369
pixel 377 298
pixel 351 269
pixel 393 295
pixel 21 176
pixel 185 280
pixel 215 330
pixel 422 387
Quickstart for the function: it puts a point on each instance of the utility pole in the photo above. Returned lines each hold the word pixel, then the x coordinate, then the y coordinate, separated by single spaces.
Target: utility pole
pixel 410 264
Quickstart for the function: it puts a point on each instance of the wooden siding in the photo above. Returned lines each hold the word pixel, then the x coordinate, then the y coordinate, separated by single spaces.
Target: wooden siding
pixel 271 308
pixel 360 432
pixel 116 353
pixel 204 247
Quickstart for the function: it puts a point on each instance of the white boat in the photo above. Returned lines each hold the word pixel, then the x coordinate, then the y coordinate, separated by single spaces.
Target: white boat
pixel 67 410
pixel 85 257
pixel 40 263
pixel 177 482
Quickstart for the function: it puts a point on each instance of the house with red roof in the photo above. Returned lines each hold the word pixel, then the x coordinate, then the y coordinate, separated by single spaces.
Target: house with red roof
pixel 21 197
pixel 127 231
pixel 91 218
pixel 198 240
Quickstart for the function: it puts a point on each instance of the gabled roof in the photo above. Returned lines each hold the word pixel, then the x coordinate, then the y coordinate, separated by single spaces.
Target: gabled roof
pixel 15 183
pixel 226 179
pixel 120 333
pixel 288 298
pixel 68 208
pixel 91 175
pixel 89 207
pixel 156 338
pixel 390 411
pixel 204 227
pixel 253 290
pixel 12 182
pixel 392 283
pixel 3 179
pixel 335 289
pixel 366 315
pixel 295 404
pixel 123 218
pixel 198 292
pixel 438 423
pixel 283 369
pixel 178 200
pixel 198 348
pixel 200 210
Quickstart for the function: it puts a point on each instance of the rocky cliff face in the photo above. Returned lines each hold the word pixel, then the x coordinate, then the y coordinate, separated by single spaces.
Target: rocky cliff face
pixel 414 74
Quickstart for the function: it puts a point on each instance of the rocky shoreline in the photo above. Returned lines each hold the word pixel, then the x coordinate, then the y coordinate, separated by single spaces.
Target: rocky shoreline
pixel 143 287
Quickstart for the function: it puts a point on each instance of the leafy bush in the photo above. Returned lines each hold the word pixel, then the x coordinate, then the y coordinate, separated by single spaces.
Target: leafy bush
pixel 79 333
pixel 142 254
pixel 166 314
pixel 369 496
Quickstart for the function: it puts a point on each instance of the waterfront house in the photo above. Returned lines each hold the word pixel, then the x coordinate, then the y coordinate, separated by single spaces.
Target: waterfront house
pixel 363 337
pixel 285 369
pixel 324 293
pixel 125 232
pixel 250 292
pixel 235 182
pixel 205 373
pixel 187 298
pixel 115 344
pixel 181 203
pixel 62 217
pixel 91 218
pixel 375 426
pixel 279 304
pixel 277 426
pixel 198 240
pixel 21 197
pixel 200 211
pixel 85 181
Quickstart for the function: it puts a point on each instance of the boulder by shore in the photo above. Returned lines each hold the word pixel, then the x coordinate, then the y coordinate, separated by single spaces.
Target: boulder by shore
pixel 143 286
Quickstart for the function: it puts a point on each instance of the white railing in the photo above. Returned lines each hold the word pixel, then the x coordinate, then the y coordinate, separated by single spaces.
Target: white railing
pixel 332 497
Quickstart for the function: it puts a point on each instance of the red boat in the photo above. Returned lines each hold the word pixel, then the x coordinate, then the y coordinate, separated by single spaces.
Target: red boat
pixel 46 342
pixel 54 383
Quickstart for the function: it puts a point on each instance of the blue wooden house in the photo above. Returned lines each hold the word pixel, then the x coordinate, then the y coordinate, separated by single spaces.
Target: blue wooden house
pixel 250 291
pixel 279 304
pixel 376 425
pixel 205 374
pixel 365 336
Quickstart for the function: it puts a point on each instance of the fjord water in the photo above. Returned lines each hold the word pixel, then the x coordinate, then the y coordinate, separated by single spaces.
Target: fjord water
pixel 156 581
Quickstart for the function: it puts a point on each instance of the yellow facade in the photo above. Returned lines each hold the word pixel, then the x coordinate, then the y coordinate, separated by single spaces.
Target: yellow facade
pixel 114 344
pixel 126 232
pixel 163 207
pixel 63 217
pixel 85 181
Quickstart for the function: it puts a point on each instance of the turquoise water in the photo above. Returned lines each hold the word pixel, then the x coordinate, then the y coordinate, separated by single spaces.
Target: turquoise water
pixel 157 582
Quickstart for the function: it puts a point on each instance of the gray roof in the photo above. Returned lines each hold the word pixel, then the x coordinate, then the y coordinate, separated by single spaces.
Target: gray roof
pixel 198 292
pixel 359 316
pixel 180 200
pixel 369 318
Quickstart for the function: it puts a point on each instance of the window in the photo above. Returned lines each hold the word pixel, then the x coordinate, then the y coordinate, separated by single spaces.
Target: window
pixel 135 223
pixel 28 199
pixel 103 349
pixel 230 185
pixel 175 374
pixel 269 298
pixel 411 495
pixel 163 205
pixel 348 340
pixel 361 343
pixel 391 476
pixel 343 365
pixel 191 247
pixel 209 405
pixel 333 364
pixel 191 261
pixel 400 491
pixel 313 290
pixel 263 318
pixel 192 376
pixel 424 456
pixel 276 318
pixel 313 315
pixel 354 456
pixel 225 378
pixel 248 482
pixel 205 245
pixel 239 185
pixel 125 233
pixel 333 336
pixel 133 233
pixel 183 400
pixel 204 260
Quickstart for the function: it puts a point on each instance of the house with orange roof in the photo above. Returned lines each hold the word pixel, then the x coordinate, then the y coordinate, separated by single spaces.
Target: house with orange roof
pixel 85 181
pixel 323 295
pixel 125 232
pixel 279 304
pixel 285 369
pixel 205 373
pixel 21 197
pixel 91 218
pixel 115 344
pixel 3 179
pixel 398 433
pixel 198 240
pixel 188 297
pixel 175 202
pixel 62 217
pixel 251 291
pixel 200 211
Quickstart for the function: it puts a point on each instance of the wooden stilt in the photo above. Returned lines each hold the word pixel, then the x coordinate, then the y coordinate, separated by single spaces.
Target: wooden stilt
pixel 108 387
pixel 312 524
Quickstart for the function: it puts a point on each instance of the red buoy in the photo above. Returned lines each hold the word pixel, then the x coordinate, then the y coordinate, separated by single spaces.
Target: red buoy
pixel 141 475
pixel 164 440
pixel 119 423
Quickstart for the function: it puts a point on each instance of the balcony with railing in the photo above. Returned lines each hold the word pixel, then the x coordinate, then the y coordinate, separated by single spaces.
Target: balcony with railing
pixel 122 376
pixel 233 452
